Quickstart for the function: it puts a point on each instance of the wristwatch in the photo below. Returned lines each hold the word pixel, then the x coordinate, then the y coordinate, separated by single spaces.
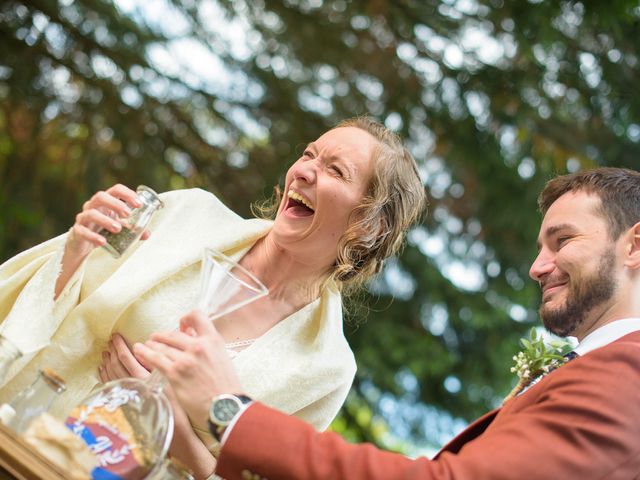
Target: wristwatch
pixel 223 410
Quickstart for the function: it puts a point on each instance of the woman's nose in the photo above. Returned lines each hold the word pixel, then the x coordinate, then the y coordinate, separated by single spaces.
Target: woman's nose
pixel 305 170
pixel 541 266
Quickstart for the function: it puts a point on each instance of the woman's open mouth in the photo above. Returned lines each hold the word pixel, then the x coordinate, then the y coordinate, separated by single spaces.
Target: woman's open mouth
pixel 298 205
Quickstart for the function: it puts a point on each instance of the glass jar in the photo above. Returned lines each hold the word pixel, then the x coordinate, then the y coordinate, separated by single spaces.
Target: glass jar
pixel 128 425
pixel 171 469
pixel 9 353
pixel 35 399
pixel 134 225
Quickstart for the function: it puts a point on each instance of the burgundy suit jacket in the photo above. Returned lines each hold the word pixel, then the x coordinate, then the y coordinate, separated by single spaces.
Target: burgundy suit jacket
pixel 581 421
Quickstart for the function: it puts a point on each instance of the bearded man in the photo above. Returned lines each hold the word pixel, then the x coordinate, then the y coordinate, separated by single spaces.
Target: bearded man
pixel 579 421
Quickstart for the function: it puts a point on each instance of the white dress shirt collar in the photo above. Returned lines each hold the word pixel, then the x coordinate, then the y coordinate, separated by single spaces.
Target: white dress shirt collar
pixel 606 334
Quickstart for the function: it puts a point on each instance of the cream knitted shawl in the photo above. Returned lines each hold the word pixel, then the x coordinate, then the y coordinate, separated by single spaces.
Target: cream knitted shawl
pixel 302 366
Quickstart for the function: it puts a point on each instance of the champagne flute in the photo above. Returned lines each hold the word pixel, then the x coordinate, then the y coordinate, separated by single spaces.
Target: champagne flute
pixel 225 285
pixel 128 423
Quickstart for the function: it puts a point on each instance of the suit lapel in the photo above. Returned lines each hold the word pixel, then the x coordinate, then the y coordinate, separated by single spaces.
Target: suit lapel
pixel 470 433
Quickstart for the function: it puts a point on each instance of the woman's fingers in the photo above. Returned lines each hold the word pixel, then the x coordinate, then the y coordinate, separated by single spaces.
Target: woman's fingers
pixel 104 378
pixel 80 233
pixel 95 220
pixel 107 205
pixel 118 199
pixel 112 367
pixel 119 362
pixel 124 194
pixel 124 356
pixel 106 210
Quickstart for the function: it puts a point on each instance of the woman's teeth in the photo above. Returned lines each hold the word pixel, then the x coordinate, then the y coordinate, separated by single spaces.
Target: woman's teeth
pixel 299 198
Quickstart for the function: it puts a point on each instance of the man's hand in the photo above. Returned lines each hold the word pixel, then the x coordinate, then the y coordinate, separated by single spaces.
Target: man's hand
pixel 195 362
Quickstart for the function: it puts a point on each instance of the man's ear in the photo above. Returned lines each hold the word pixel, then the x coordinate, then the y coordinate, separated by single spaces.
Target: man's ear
pixel 633 247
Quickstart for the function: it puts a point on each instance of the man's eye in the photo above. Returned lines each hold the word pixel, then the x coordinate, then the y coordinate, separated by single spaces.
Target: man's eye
pixel 562 240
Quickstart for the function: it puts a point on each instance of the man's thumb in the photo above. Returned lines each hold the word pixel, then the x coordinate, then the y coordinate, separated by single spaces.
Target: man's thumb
pixel 195 323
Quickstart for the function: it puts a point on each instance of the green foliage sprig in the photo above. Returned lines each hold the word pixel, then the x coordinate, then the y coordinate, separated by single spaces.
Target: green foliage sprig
pixel 536 358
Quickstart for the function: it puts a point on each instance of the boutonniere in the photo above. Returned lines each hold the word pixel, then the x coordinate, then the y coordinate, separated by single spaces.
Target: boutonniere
pixel 536 358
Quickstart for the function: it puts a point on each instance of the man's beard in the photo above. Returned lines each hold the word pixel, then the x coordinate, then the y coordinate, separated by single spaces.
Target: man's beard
pixel 584 295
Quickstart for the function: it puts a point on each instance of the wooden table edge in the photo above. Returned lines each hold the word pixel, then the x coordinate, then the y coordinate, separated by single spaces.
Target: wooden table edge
pixel 23 461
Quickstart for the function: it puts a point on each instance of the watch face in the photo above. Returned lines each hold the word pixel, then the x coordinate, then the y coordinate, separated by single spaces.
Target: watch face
pixel 224 409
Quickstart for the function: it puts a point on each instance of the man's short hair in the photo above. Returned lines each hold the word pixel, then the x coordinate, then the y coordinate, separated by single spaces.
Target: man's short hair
pixel 617 188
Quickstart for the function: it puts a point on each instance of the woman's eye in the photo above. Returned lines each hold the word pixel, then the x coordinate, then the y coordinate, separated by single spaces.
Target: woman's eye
pixel 337 170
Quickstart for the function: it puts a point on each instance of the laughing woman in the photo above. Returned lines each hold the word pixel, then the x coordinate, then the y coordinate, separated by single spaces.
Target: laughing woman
pixel 347 202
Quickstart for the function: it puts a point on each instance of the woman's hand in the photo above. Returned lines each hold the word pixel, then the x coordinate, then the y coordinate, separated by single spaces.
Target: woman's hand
pixel 107 210
pixel 118 361
pixel 102 211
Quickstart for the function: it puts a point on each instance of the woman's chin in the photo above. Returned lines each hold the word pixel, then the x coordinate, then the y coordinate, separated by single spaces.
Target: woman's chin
pixel 289 230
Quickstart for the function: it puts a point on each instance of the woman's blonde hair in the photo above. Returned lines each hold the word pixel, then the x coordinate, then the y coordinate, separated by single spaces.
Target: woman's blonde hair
pixel 394 200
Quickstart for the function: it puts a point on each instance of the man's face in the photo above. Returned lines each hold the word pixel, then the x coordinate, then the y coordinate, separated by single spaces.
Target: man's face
pixel 577 265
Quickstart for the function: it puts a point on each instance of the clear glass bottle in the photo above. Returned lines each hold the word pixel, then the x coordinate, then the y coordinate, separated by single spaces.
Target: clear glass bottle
pixel 35 399
pixel 9 353
pixel 134 225
pixel 128 425
pixel 171 469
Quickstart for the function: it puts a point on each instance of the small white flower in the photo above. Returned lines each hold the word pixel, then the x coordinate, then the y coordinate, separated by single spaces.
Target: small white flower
pixel 537 357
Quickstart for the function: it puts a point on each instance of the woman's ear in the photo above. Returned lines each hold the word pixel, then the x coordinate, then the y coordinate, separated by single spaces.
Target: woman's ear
pixel 633 247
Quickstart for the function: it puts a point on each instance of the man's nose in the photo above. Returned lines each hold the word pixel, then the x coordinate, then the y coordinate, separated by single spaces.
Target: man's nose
pixel 541 266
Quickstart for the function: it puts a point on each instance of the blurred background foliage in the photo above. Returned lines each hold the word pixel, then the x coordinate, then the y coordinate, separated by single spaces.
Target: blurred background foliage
pixel 492 96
